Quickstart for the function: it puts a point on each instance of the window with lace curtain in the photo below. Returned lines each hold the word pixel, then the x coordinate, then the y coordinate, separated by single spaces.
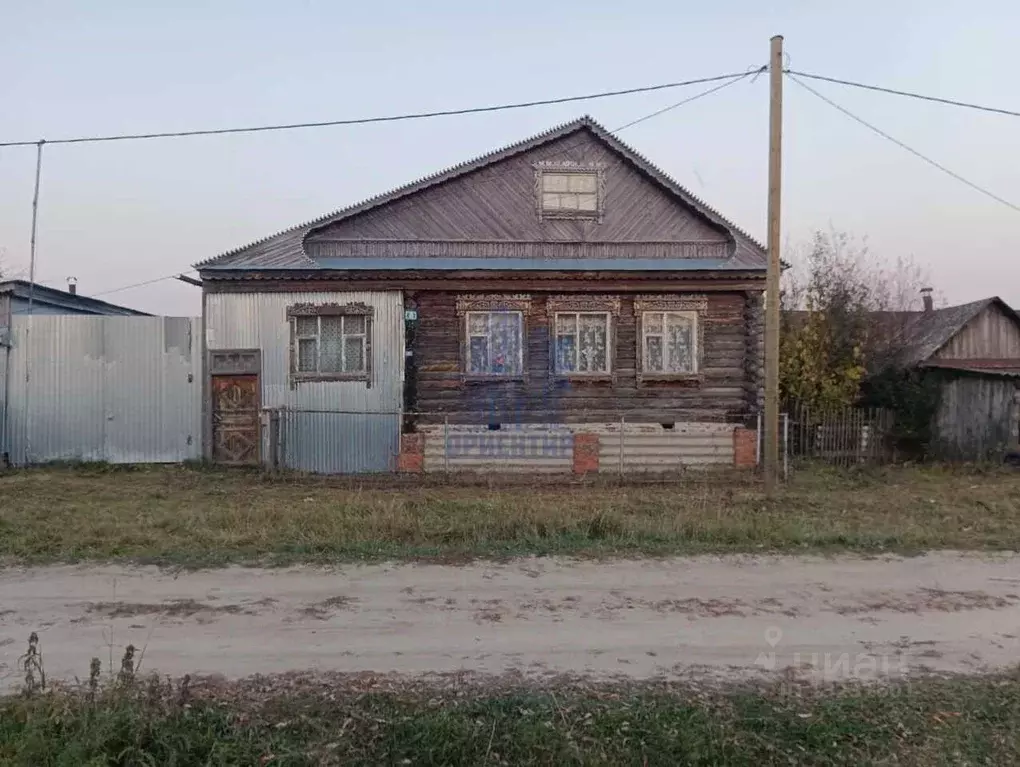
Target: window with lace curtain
pixel 494 343
pixel 331 343
pixel 669 343
pixel 582 343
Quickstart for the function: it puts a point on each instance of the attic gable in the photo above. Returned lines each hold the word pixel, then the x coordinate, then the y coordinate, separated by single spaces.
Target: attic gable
pixel 481 200
pixel 500 201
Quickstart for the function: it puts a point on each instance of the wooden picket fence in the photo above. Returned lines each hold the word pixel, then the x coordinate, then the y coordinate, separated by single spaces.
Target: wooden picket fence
pixel 844 437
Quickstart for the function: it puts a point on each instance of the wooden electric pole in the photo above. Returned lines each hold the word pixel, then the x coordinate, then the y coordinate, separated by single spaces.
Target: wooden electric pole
pixel 771 420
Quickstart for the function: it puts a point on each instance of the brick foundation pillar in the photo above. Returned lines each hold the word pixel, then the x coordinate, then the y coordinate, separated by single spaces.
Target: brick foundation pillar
pixel 586 453
pixel 412 454
pixel 745 444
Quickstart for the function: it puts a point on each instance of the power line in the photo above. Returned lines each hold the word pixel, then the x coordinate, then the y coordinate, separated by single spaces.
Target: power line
pixel 381 119
pixel 140 284
pixel 909 94
pixel 900 144
pixel 733 79
pixel 688 100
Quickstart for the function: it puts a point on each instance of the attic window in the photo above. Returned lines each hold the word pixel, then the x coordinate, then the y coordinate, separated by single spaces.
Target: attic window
pixel 569 191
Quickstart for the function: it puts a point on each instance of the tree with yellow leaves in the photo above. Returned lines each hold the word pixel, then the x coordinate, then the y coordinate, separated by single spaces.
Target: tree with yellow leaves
pixel 830 338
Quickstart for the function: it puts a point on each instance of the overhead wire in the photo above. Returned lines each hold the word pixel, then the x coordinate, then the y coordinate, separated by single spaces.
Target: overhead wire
pixel 569 146
pixel 376 119
pixel 754 71
pixel 902 145
pixel 731 80
pixel 908 94
pixel 141 284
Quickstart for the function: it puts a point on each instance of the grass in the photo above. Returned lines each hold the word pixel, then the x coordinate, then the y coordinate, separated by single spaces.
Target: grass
pixel 384 721
pixel 200 517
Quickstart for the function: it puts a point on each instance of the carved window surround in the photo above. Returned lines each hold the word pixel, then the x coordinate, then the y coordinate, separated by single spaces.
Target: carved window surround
pixel 355 309
pixel 494 302
pixel 327 310
pixel 571 167
pixel 692 303
pixel 594 304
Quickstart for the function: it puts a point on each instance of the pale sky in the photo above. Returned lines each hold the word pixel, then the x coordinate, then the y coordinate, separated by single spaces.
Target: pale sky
pixel 119 213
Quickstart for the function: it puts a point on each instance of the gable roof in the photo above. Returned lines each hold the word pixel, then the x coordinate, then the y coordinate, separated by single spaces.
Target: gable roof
pixel 63 299
pixel 915 336
pixel 286 249
pixel 927 332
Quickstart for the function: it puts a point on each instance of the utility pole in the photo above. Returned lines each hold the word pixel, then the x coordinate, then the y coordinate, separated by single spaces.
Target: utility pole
pixel 771 438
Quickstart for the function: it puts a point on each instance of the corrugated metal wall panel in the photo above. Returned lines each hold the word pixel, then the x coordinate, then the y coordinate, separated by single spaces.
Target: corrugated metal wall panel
pixel 549 447
pixel 5 337
pixel 654 449
pixel 117 389
pixel 358 428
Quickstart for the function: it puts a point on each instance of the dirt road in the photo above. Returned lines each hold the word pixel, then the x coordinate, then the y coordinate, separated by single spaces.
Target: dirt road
pixel 829 617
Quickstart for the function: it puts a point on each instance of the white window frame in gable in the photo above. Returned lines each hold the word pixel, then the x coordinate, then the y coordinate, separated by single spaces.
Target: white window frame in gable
pixel 576 372
pixel 665 314
pixel 568 171
pixel 468 335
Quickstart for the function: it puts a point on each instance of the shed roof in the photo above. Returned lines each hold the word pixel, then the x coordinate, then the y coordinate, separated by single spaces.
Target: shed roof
pixel 925 333
pixel 286 249
pixel 63 299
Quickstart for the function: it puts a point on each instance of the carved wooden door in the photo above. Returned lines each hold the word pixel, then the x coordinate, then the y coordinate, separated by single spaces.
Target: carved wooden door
pixel 235 419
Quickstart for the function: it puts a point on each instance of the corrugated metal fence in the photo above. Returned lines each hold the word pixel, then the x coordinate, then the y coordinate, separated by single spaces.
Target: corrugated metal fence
pixel 117 389
pixel 325 442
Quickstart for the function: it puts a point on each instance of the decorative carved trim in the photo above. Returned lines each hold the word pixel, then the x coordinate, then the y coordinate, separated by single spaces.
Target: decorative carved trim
pixel 681 302
pixel 693 303
pixel 424 250
pixel 332 310
pixel 235 362
pixel 583 303
pixel 598 304
pixel 358 309
pixel 297 378
pixel 572 167
pixel 495 302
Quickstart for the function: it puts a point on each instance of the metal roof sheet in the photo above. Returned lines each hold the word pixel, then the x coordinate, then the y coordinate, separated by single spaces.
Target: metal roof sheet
pixel 509 264
pixel 927 332
pixel 64 299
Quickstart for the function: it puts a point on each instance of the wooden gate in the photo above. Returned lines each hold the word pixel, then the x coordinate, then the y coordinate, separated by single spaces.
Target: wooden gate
pixel 236 433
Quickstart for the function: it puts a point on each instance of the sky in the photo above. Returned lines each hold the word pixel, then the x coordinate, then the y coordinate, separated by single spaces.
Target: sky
pixel 119 213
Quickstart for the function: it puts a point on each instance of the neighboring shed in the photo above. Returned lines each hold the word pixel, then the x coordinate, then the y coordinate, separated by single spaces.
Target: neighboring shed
pixel 15 296
pixel 972 352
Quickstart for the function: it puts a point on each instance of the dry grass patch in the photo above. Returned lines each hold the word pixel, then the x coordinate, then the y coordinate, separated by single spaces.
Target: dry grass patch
pixel 464 720
pixel 174 515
